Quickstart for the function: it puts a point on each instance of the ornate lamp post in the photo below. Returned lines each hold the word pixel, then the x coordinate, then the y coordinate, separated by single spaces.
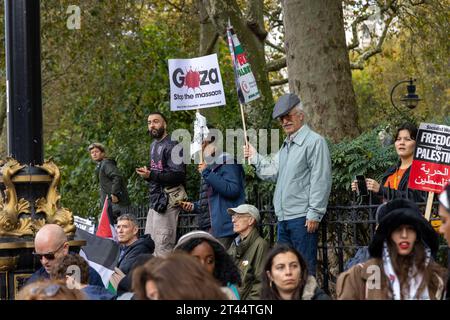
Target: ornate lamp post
pixel 29 198
pixel 411 99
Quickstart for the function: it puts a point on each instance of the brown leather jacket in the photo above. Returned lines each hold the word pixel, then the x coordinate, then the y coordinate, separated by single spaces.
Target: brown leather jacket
pixel 363 282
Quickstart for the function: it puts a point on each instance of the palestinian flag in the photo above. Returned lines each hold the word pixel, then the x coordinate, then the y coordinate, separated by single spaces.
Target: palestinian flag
pixel 246 86
pixel 101 254
pixel 106 227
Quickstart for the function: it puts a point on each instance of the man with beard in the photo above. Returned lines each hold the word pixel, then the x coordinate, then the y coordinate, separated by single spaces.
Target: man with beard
pixel 166 177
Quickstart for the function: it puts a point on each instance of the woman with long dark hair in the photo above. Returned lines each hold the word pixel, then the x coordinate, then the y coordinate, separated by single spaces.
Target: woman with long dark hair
pixel 286 277
pixel 401 265
pixel 394 183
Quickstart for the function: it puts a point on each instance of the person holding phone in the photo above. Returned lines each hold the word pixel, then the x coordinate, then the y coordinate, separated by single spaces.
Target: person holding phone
pixel 394 183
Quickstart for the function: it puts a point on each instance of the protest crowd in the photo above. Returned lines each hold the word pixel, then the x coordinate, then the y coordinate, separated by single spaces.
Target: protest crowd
pixel 227 258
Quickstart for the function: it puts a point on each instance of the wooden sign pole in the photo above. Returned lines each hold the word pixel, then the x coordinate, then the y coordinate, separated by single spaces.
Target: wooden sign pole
pixel 429 206
pixel 244 127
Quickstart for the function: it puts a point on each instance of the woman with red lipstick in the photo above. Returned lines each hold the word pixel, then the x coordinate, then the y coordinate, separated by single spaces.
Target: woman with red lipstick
pixel 401 265
pixel 286 277
pixel 394 183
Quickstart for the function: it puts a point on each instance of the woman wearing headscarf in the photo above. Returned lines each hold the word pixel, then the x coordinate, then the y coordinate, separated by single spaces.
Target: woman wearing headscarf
pixel 401 265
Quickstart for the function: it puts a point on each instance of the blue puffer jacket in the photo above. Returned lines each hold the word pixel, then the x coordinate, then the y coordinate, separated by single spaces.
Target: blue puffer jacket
pixel 226 190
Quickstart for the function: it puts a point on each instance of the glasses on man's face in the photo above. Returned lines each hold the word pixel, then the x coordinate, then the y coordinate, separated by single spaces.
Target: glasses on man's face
pixel 48 291
pixel 48 255
pixel 239 216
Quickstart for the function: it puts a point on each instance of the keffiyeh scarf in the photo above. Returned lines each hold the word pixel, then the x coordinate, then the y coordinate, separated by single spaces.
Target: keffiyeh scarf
pixel 415 278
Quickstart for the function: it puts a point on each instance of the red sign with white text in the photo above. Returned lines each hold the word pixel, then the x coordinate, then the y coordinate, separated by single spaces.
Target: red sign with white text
pixel 430 170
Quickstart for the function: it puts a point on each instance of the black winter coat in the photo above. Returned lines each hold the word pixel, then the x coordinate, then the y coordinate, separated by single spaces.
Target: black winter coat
pixel 111 182
pixel 145 244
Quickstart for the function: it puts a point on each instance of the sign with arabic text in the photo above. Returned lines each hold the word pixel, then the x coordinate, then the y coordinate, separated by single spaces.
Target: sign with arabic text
pixel 430 170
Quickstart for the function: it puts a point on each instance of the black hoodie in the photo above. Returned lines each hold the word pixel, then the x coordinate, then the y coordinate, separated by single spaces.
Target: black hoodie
pixel 145 244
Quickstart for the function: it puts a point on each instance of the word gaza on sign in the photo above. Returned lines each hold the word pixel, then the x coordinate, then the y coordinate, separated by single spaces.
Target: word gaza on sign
pixel 195 83
pixel 430 170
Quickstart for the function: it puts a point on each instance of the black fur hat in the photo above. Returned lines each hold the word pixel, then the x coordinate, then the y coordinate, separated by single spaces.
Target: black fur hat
pixel 396 213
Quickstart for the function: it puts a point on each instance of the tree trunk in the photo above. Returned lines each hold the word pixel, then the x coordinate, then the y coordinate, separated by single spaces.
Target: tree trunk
pixel 251 34
pixel 319 66
pixel 208 32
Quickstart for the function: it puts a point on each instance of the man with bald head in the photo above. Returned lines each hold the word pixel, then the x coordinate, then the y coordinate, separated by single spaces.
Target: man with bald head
pixel 50 243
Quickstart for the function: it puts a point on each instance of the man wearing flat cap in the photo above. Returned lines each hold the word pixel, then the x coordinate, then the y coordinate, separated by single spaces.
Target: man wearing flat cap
pixel 302 171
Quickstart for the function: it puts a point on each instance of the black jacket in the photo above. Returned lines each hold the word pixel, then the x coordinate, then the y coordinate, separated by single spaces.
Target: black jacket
pixel 164 172
pixel 202 208
pixel 111 182
pixel 403 190
pixel 145 244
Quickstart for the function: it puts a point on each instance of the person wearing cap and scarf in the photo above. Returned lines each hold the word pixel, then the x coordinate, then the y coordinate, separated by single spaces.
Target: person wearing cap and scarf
pixel 444 229
pixel 213 256
pixel 302 171
pixel 248 250
pixel 402 265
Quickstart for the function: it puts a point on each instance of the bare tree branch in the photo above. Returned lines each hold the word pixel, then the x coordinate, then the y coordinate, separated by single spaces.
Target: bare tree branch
pixel 260 32
pixel 254 18
pixel 177 7
pixel 355 24
pixel 377 49
pixel 274 46
pixel 210 46
pixel 280 82
pixel 276 65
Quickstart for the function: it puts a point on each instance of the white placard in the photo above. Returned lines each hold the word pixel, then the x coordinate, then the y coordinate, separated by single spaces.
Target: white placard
pixel 84 224
pixel 195 83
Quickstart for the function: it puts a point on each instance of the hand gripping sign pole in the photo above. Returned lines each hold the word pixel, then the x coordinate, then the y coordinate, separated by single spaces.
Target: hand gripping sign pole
pixel 246 87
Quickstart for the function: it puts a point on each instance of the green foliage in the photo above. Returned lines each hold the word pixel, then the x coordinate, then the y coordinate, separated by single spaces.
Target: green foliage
pixel 111 108
pixel 363 155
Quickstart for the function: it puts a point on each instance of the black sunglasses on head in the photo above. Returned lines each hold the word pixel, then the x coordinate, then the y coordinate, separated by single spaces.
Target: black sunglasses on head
pixel 48 255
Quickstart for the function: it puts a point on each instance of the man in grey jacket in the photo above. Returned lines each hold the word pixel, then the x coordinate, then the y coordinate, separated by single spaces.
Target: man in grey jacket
pixel 302 171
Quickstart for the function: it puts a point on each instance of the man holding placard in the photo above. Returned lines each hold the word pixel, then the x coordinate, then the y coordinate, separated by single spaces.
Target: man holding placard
pixel 302 170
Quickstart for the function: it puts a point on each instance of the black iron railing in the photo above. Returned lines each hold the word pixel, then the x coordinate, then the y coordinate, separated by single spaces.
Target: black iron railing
pixel 343 231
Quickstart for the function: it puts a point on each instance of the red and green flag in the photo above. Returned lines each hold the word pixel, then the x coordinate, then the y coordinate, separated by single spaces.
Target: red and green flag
pixel 246 86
